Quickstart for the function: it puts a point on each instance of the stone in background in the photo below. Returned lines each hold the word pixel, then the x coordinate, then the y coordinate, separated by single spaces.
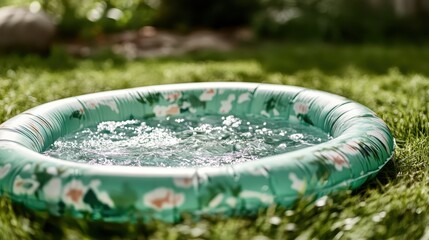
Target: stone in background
pixel 24 30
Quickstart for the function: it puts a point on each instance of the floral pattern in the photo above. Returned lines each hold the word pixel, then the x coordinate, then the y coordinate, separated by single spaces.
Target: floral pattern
pixel 27 167
pixel 184 182
pixel 109 103
pixel 162 111
pixel 263 197
pixel 102 196
pixel 231 201
pixel 25 186
pixel 335 158
pixel 163 198
pixel 73 195
pixel 300 108
pixel 301 111
pixel 351 147
pixel 276 112
pixel 220 199
pixel 297 184
pixel 265 113
pixel 84 197
pixel 5 170
pixel 172 97
pixel 244 97
pixel 255 171
pixel 52 190
pixel 208 95
pixel 52 171
pixel 226 105
pixel 188 106
pixel 216 201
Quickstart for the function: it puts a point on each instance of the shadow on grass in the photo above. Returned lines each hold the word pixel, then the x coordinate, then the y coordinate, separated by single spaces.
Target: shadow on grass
pixel 58 60
pixel 291 58
pixel 282 57
pixel 386 175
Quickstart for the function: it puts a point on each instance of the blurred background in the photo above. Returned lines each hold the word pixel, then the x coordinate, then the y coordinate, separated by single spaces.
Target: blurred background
pixel 100 21
pixel 375 52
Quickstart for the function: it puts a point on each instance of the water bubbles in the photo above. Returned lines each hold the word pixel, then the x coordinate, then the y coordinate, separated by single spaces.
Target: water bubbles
pixel 184 141
pixel 231 121
pixel 179 120
pixel 237 147
pixel 282 145
pixel 296 136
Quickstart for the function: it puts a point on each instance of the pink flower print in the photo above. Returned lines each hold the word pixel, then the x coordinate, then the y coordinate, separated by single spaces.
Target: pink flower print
pixel 162 111
pixel 173 110
pixel 52 190
pixel 208 95
pixel 300 108
pixel 163 198
pixel 244 97
pixel 184 182
pixel 350 147
pixel 338 160
pixel 91 104
pixel 226 105
pixel 171 97
pixel 25 186
pixel 112 105
pixel 159 111
pixel 73 195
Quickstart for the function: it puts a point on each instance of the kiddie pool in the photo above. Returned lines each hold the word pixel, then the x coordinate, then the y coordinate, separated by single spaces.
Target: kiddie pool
pixel 361 145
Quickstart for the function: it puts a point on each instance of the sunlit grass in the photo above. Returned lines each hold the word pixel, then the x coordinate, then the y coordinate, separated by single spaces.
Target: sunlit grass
pixel 393 81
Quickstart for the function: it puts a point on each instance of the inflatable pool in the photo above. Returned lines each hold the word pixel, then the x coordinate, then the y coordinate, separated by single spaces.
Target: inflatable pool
pixel 360 145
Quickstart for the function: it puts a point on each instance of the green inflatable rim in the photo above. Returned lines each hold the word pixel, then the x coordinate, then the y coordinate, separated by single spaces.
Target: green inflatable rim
pixel 362 144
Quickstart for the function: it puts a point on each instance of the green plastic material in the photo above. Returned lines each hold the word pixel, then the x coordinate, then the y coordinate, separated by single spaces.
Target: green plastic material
pixel 362 144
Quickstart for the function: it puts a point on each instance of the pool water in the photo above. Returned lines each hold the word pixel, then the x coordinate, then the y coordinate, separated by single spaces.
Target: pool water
pixel 185 141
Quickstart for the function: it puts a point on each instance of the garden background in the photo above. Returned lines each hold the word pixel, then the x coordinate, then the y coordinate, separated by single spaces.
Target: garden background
pixel 375 52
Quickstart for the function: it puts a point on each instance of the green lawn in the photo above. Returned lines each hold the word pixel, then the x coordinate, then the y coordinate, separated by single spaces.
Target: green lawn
pixel 393 81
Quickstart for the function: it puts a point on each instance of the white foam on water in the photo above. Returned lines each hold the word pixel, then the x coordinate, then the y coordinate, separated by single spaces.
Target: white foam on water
pixel 185 141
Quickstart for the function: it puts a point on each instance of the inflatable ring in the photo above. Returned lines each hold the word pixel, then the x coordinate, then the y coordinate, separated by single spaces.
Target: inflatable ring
pixel 361 145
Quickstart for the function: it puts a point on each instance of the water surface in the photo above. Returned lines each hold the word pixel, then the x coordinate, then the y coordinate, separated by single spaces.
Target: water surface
pixel 185 141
